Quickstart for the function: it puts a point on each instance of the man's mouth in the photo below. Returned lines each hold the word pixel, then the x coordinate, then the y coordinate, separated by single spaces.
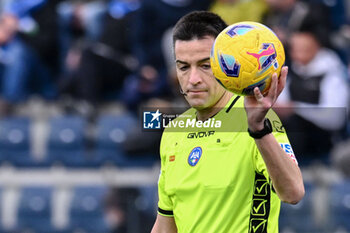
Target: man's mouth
pixel 195 91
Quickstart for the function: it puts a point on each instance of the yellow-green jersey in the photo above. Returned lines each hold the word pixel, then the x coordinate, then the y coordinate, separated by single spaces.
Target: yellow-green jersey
pixel 214 180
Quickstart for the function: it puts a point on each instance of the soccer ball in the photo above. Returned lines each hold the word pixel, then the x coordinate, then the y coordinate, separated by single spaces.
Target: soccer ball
pixel 244 56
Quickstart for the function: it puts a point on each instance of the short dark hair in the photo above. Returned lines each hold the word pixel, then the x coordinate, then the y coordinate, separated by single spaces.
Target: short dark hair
pixel 197 25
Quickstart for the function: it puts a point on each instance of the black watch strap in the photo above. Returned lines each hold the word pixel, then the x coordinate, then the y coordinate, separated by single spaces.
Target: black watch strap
pixel 266 130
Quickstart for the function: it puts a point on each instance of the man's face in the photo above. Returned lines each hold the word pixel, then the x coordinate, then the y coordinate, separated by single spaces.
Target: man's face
pixel 194 72
pixel 303 48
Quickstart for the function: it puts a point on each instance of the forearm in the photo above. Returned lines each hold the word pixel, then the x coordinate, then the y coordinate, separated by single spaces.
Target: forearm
pixel 164 225
pixel 284 172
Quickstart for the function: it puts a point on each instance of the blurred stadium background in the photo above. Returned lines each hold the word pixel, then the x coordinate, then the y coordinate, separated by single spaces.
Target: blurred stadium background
pixel 74 76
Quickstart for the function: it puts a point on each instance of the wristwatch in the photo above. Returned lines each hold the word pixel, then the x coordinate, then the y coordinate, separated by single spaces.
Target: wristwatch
pixel 261 133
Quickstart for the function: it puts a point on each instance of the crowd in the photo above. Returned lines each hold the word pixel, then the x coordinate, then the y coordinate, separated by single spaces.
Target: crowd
pixel 101 51
pixel 84 54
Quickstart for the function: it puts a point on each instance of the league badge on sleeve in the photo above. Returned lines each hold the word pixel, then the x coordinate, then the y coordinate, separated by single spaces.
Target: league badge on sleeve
pixel 289 151
pixel 194 156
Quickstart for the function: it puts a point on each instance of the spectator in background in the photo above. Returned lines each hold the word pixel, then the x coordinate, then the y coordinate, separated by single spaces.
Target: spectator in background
pixel 153 19
pixel 96 72
pixel 316 96
pixel 286 16
pixel 327 18
pixel 122 214
pixel 79 20
pixel 28 49
pixel 115 208
pixel 233 11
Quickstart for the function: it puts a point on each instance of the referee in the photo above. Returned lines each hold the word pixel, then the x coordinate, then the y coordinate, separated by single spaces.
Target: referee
pixel 226 180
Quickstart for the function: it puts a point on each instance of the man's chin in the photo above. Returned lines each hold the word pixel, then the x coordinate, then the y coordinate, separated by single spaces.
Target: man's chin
pixel 200 102
pixel 199 105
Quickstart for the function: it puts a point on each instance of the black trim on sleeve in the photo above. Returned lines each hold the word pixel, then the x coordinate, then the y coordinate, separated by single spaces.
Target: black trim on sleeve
pixel 233 103
pixel 165 212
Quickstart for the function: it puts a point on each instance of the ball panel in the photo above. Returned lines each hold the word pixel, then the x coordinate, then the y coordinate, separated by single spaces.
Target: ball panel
pixel 246 55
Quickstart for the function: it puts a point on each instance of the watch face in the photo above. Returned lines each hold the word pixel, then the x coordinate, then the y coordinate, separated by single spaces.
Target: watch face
pixel 267 127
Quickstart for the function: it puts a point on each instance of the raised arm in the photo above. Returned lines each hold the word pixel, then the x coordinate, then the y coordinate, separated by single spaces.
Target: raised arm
pixel 284 172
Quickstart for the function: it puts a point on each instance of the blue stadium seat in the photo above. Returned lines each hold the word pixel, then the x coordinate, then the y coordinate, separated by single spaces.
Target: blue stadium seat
pixel 34 210
pixel 67 141
pixel 299 218
pixel 15 142
pixel 86 211
pixel 112 131
pixel 340 206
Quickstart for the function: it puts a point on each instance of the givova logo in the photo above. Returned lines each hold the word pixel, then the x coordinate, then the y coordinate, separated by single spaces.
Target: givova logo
pixel 152 120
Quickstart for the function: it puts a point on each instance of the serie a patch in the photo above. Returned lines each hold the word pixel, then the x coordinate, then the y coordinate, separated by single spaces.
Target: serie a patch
pixel 289 151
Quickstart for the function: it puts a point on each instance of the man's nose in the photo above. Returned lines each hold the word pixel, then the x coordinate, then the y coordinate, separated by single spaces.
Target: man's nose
pixel 195 77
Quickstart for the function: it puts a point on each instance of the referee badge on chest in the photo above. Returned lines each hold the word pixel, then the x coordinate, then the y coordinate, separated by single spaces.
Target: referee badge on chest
pixel 194 156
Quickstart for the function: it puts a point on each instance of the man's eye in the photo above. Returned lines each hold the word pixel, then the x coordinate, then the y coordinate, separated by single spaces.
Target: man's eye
pixel 206 66
pixel 183 68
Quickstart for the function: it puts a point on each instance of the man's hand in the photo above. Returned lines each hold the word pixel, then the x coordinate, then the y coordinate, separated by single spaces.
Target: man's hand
pixel 258 105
